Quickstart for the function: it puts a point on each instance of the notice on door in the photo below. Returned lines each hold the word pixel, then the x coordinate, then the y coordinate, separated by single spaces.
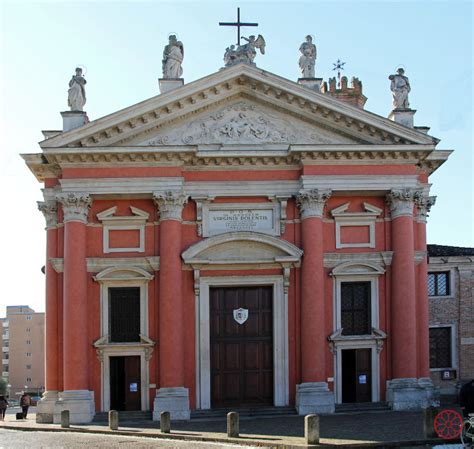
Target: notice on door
pixel 133 387
pixel 362 379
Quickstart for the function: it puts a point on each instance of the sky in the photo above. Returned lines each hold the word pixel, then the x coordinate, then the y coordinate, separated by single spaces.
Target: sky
pixel 120 46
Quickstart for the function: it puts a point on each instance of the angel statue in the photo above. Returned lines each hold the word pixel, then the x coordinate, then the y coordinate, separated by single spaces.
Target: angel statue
pixel 308 58
pixel 76 98
pixel 244 53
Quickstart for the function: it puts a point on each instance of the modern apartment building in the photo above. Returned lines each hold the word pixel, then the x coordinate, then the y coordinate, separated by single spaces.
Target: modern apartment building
pixel 23 350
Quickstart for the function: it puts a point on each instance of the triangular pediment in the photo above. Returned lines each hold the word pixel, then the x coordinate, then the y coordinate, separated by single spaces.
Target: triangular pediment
pixel 239 105
pixel 242 121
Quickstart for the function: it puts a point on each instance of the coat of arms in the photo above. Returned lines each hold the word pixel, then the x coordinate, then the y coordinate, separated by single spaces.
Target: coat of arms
pixel 241 315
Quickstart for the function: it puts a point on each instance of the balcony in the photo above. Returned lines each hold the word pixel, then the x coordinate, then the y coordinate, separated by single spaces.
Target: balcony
pixel 5 374
pixel 5 349
pixel 5 324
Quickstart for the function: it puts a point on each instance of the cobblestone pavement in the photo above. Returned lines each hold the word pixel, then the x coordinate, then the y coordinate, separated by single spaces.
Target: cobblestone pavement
pixel 339 429
pixel 11 439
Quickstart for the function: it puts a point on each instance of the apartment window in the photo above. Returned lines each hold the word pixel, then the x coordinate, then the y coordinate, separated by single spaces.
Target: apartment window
pixel 28 317
pixel 438 283
pixel 441 347
pixel 28 354
pixel 28 342
pixel 28 329
pixel 28 366
pixel 355 308
pixel 5 368
pixel 28 379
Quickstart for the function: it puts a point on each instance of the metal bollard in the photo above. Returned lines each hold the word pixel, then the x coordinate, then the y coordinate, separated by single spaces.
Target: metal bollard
pixel 311 429
pixel 165 422
pixel 65 419
pixel 429 415
pixel 113 420
pixel 233 425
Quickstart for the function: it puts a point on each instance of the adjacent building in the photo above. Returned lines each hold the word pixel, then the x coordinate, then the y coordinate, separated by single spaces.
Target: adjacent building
pixel 23 350
pixel 451 299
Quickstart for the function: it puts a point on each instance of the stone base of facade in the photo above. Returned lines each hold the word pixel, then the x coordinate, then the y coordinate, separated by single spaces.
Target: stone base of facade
pixel 314 397
pixel 173 400
pixel 411 393
pixel 167 84
pixel 45 408
pixel 80 404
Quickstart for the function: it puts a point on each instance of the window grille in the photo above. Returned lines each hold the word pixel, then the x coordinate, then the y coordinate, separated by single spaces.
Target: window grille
pixel 124 314
pixel 355 308
pixel 438 284
pixel 440 347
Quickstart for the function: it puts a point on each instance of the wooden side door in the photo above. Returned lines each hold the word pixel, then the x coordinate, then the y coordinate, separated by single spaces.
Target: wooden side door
pixel 132 383
pixel 363 371
pixel 241 354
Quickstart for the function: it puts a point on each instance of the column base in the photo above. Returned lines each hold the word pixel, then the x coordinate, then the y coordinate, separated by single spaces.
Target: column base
pixel 173 400
pixel 45 408
pixel 80 404
pixel 314 397
pixel 411 393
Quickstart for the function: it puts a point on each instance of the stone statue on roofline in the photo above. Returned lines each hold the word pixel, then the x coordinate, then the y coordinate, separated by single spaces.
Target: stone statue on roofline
pixel 400 87
pixel 76 98
pixel 173 55
pixel 244 53
pixel 307 59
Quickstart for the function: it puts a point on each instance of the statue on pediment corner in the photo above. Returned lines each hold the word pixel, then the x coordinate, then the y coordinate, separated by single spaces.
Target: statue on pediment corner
pixel 307 59
pixel 77 93
pixel 173 55
pixel 400 87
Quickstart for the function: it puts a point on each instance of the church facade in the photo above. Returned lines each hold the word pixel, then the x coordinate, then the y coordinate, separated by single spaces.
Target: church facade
pixel 239 241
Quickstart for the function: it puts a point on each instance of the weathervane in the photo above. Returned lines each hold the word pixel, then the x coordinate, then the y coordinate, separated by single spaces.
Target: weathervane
pixel 238 24
pixel 338 65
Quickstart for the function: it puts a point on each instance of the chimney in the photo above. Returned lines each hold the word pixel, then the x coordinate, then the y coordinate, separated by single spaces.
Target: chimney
pixel 351 95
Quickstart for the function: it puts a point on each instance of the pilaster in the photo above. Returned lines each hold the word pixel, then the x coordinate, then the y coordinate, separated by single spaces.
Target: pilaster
pixel 46 404
pixel 313 394
pixel 76 396
pixel 172 395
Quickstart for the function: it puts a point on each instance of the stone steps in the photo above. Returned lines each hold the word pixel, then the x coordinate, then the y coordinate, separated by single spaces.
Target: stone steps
pixel 358 407
pixel 102 417
pixel 244 412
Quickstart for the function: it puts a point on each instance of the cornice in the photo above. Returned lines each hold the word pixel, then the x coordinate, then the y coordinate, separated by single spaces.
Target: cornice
pixel 149 114
pixel 50 164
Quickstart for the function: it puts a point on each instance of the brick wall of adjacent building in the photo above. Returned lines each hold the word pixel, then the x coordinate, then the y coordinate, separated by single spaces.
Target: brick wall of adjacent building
pixel 455 309
pixel 23 349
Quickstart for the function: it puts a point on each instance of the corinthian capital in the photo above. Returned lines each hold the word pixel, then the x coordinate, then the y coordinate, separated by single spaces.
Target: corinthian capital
pixel 76 206
pixel 50 212
pixel 170 204
pixel 311 202
pixel 401 202
pixel 423 206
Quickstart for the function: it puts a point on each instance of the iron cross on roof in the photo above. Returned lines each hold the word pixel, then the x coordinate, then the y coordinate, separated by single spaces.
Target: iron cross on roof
pixel 238 24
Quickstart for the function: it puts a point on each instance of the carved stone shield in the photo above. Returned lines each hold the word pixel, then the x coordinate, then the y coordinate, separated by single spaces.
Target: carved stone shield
pixel 241 315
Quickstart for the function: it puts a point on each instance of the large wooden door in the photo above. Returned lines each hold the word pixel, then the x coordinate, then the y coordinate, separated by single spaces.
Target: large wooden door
pixel 356 375
pixel 125 383
pixel 241 354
